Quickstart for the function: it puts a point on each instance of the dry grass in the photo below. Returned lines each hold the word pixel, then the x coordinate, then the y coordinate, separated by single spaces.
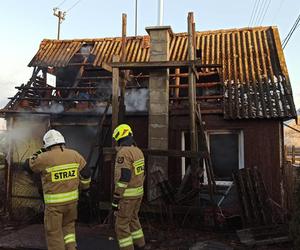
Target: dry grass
pixel 292 137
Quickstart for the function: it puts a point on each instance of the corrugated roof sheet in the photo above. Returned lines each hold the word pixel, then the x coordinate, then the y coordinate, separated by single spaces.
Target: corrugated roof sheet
pixel 254 70
pixel 55 53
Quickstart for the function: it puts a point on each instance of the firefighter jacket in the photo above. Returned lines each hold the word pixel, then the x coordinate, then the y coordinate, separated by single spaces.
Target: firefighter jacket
pixel 61 170
pixel 129 173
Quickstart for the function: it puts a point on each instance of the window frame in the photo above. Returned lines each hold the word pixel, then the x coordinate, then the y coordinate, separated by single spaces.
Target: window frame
pixel 241 160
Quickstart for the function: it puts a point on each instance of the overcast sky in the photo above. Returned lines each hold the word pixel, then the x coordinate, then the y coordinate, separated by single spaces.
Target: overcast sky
pixel 23 25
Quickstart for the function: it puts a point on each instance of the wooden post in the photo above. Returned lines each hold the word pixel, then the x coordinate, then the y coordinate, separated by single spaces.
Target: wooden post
pixel 122 107
pixel 123 46
pixel 192 94
pixel 293 154
pixel 177 81
pixel 8 170
pixel 45 76
pixel 115 94
pixel 285 153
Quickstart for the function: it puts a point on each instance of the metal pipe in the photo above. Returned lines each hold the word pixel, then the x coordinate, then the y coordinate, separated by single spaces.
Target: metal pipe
pixel 160 12
pixel 136 16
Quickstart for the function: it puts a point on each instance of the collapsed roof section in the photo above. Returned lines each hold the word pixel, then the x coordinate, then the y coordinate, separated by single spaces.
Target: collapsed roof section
pixel 254 72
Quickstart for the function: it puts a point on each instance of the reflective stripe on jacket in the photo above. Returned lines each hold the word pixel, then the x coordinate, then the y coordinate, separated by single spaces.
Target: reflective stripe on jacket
pixel 60 176
pixel 129 159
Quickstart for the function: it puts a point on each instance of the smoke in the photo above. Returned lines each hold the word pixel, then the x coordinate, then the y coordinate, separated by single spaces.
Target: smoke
pixel 25 135
pixel 85 49
pixel 136 99
pixel 100 109
pixel 55 108
pixel 104 90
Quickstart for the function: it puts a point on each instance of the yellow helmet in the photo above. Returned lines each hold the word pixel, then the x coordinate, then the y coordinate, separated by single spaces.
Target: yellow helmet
pixel 122 131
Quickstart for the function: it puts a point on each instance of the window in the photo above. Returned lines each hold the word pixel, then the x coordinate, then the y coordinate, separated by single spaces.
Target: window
pixel 227 153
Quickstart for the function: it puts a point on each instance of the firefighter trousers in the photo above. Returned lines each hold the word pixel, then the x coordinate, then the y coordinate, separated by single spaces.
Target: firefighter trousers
pixel 128 228
pixel 59 223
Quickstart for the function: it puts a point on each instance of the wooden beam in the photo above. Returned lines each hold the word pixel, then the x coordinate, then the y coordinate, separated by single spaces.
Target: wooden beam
pixel 159 152
pixel 115 94
pixel 9 167
pixel 125 73
pixel 177 82
pixel 161 64
pixel 205 97
pixel 90 124
pixel 58 99
pixel 106 66
pixel 198 85
pixel 184 75
pixel 192 89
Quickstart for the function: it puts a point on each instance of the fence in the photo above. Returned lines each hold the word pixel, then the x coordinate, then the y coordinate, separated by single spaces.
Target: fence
pixel 292 154
pixel 290 176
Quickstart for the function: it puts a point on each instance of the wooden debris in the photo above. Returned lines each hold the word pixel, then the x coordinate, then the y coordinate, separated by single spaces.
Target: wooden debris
pixel 259 236
pixel 254 201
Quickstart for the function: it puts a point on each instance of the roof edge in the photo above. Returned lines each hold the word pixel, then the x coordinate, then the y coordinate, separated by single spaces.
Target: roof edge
pixel 175 34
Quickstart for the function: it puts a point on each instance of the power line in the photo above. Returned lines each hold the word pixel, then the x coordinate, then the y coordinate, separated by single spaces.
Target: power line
pixel 61 3
pixel 253 11
pixel 266 10
pixel 277 11
pixel 291 32
pixel 260 9
pixel 73 5
pixel 291 127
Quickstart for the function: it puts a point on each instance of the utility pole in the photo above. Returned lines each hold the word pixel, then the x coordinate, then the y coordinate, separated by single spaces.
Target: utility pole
pixel 136 16
pixel 61 17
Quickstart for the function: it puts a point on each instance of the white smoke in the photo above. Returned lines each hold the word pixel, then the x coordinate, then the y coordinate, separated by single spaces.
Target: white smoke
pixel 136 99
pixel 55 108
pixel 25 135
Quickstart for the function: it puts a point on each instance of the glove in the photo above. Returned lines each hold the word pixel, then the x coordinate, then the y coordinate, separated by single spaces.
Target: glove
pixel 85 193
pixel 115 204
pixel 25 166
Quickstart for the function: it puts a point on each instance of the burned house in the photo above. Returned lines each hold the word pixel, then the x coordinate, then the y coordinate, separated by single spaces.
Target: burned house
pixel 84 87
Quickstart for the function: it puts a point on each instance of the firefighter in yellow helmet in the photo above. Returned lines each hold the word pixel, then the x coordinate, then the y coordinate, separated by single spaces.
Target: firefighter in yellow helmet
pixel 128 194
pixel 62 170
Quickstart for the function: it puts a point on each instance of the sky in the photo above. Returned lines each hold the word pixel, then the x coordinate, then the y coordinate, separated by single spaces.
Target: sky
pixel 24 24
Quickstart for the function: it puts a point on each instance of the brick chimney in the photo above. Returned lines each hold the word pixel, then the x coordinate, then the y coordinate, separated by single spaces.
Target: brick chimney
pixel 158 125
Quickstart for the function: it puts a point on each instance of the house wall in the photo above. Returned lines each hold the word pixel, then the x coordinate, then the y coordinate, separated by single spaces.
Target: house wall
pixel 262 146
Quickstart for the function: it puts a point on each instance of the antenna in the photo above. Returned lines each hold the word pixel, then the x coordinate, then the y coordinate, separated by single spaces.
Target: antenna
pixel 61 17
pixel 160 14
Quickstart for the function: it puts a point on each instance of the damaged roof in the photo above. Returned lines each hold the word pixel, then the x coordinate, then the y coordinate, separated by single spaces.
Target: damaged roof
pixel 254 71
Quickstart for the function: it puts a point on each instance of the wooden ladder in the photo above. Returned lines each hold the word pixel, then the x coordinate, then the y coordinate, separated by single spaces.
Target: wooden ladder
pixel 203 147
pixel 97 146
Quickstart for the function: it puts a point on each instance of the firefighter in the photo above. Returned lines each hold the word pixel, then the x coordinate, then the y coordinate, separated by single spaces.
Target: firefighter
pixel 62 171
pixel 128 194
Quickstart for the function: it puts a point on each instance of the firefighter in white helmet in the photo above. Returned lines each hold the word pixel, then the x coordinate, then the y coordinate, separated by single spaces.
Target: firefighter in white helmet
pixel 128 194
pixel 62 171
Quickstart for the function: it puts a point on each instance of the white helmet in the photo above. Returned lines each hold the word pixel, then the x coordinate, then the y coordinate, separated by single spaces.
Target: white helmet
pixel 53 137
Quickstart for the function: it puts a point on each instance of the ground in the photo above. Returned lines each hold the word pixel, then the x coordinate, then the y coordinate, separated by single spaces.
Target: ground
pixel 98 237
